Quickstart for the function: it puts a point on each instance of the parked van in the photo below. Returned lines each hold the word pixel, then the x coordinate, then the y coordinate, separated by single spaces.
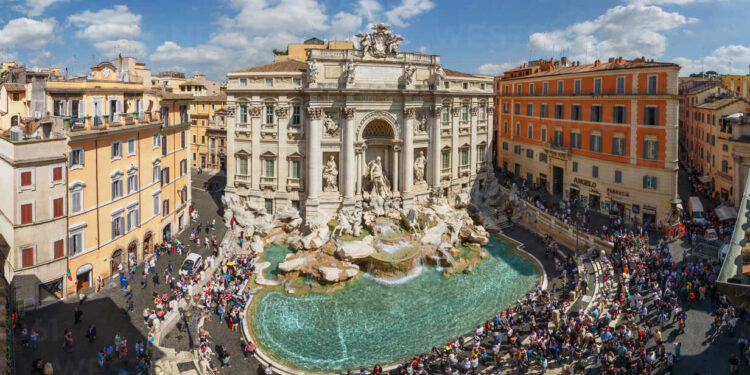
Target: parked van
pixel 695 208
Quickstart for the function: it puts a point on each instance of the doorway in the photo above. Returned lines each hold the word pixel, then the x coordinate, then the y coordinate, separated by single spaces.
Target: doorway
pixel 573 193
pixel 166 233
pixel 118 258
pixel 147 244
pixel 516 170
pixel 594 201
pixel 203 161
pixel 557 180
pixel 83 277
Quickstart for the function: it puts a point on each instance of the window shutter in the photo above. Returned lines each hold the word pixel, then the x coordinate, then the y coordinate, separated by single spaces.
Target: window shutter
pixel 656 116
pixel 654 184
pixel 656 150
pixel 57 207
pixel 26 213
pixel 27 257
pixel 645 149
pixel 59 249
pixel 81 109
pixel 25 178
pixel 645 181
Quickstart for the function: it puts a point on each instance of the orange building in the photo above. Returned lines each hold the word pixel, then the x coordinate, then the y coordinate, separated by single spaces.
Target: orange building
pixel 605 132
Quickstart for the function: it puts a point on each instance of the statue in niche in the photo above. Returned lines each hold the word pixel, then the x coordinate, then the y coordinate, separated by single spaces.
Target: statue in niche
pixel 419 165
pixel 312 71
pixel 349 71
pixel 379 184
pixel 409 71
pixel 330 126
pixel 439 77
pixel 330 175
pixel 421 123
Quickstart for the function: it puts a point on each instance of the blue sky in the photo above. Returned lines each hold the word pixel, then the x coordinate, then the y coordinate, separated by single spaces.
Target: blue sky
pixel 485 36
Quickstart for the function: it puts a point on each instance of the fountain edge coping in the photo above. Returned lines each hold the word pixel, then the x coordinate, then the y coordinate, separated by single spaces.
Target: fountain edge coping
pixel 282 369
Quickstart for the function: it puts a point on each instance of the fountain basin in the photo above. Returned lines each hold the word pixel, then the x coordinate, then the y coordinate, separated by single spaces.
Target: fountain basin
pixel 368 321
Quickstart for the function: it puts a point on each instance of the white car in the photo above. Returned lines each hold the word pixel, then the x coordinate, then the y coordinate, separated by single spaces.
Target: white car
pixel 192 264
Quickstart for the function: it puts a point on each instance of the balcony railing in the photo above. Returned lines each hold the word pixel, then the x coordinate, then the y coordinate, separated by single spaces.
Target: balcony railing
pixel 268 182
pixel 240 179
pixel 293 184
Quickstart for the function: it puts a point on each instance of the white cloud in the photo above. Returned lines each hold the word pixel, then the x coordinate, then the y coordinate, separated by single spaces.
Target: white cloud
pixel 200 55
pixel 731 59
pixel 626 30
pixel 107 24
pixel 40 58
pixel 130 48
pixel 35 8
pixel 369 8
pixel 294 16
pixel 408 9
pixel 344 24
pixel 498 69
pixel 7 56
pixel 669 2
pixel 27 33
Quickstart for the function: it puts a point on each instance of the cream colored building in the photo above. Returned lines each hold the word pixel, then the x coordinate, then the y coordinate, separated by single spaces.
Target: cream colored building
pixel 12 104
pixel 343 110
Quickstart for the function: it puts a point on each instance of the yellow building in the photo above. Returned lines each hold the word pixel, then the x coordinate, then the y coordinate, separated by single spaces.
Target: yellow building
pixel 738 84
pixel 298 51
pixel 128 182
pixel 12 104
pixel 202 112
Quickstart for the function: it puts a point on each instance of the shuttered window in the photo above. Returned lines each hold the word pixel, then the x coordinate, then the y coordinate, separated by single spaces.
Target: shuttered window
pixel 27 213
pixel 27 257
pixel 26 178
pixel 59 249
pixel 57 174
pixel 57 207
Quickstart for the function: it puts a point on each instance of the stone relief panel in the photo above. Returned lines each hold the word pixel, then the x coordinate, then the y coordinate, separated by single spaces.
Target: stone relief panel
pixel 331 125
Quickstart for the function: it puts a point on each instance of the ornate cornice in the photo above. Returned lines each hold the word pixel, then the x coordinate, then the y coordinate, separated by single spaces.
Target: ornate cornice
pixel 474 110
pixel 282 112
pixel 455 111
pixel 256 110
pixel 315 113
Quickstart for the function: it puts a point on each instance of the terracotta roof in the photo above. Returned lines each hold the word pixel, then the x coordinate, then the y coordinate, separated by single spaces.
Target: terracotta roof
pixel 720 103
pixel 169 95
pixel 453 73
pixel 221 97
pixel 292 66
pixel 700 87
pixel 10 86
pixel 603 66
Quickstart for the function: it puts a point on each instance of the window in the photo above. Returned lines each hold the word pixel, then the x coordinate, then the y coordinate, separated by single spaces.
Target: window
pixel 243 114
pixel 557 137
pixel 507 90
pixel 155 203
pixel 58 249
pixel 75 242
pixel 725 148
pixel 560 87
pixel 529 109
pixel 116 150
pixel 243 82
pixel 27 178
pixel 595 171
pixel 132 183
pixel 464 156
pixel 242 166
pixel 596 113
pixel 517 109
pixel 577 87
pixel 575 166
pixel 481 86
pixel 543 138
pixel 724 166
pixel 545 88
pixel 518 129
pixel 132 218
pixel 213 107
pixel 542 157
pixel 505 145
pixel 295 166
pixel 649 182
pixel 517 149
pixel 620 85
pixel 530 131
pixel 155 171
pixel 652 85
pixel 446 113
pixel 155 140
pixel 519 89
pixel 480 154
pixel 506 107
pixel 650 148
pixel 559 111
pixel 27 213
pixel 296 115
pixel 118 225
pixel 269 114
pixel 651 116
pixel 57 174
pixel 268 203
pixel 618 114
pixel 76 158
pixel 575 140
pixel 165 207
pixel 505 127
pixel 464 112
pixel 27 257
pixel 529 153
pixel 445 160
pixel 465 85
pixel 595 142
pixel 16 97
pixel 57 208
pixel 618 144
pixel 543 110
pixel 531 89
pixel 268 168
pixel 164 176
pixel 269 81
pixel 182 139
pixel 597 86
pixel 195 139
pixel 195 156
pixel 618 177
pixel 116 187
pixel 575 112
pixel 297 81
pixel 76 200
pixel 183 167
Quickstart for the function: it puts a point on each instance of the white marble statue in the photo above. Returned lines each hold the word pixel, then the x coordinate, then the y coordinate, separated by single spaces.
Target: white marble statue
pixel 409 71
pixel 312 71
pixel 381 42
pixel 330 175
pixel 439 77
pixel 330 126
pixel 378 181
pixel 421 123
pixel 349 71
pixel 419 165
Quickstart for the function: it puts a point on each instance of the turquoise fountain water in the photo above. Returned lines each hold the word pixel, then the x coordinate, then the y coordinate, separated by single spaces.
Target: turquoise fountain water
pixel 384 321
pixel 274 254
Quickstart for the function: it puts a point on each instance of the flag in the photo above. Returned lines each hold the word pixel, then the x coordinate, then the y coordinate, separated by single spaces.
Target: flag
pixel 68 273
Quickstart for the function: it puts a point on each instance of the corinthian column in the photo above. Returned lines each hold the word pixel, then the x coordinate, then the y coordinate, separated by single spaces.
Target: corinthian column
pixel 408 156
pixel 394 161
pixel 314 155
pixel 350 162
pixel 434 160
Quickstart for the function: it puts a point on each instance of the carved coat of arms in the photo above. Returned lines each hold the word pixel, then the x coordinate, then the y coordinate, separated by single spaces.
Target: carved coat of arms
pixel 381 42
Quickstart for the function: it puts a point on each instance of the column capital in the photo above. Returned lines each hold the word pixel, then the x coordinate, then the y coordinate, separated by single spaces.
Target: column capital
pixel 474 110
pixel 455 111
pixel 396 148
pixel 348 112
pixel 282 112
pixel 255 111
pixel 409 113
pixel 436 111
pixel 315 113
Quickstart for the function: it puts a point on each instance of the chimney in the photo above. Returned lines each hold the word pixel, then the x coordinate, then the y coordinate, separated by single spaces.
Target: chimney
pixel 564 61
pixel 611 60
pixel 596 63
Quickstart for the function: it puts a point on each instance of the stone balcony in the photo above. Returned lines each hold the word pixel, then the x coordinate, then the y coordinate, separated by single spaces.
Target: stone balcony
pixel 268 183
pixel 294 184
pixel 241 180
pixel 464 170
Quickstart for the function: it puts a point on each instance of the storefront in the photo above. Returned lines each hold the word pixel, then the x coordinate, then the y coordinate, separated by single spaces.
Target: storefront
pixel 51 291
pixel 83 277
pixel 543 181
pixel 574 193
pixel 118 259
pixel 147 244
pixel 649 215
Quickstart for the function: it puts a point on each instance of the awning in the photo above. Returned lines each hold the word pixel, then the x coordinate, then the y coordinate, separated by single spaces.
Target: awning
pixel 725 213
pixel 84 269
pixel 704 179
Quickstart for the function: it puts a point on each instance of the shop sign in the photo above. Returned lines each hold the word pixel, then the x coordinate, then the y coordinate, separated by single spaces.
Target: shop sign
pixel 636 208
pixel 584 182
pixel 621 193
